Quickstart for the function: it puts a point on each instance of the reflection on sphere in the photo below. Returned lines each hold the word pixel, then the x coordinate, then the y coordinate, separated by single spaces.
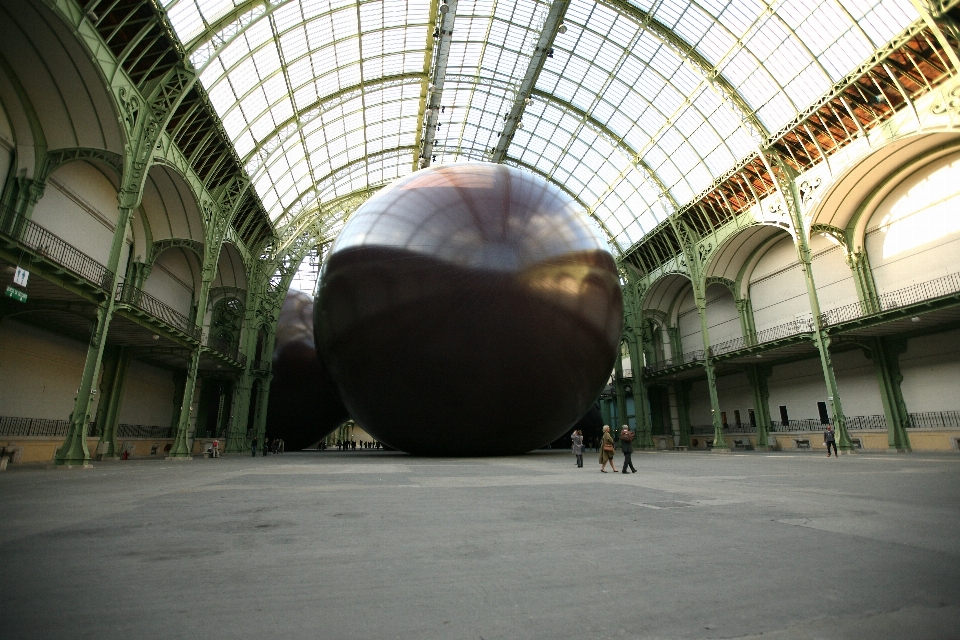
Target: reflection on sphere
pixel 304 404
pixel 469 310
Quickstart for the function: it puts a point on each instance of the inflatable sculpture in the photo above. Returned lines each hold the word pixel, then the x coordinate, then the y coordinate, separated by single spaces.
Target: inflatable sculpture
pixel 468 310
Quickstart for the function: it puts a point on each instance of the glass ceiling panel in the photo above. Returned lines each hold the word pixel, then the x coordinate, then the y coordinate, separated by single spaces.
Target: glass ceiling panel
pixel 323 97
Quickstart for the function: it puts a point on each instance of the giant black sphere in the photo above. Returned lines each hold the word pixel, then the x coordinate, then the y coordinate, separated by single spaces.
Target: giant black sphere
pixel 468 310
pixel 304 403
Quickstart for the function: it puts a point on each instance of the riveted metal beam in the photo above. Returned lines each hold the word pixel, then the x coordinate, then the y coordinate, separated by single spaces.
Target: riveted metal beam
pixel 431 114
pixel 554 18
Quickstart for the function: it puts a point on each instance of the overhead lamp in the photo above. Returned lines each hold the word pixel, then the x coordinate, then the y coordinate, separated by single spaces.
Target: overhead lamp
pixel 550 52
pixel 444 8
pixel 915 319
pixel 436 33
pixel 528 101
pixel 520 124
pixel 431 88
pixel 156 337
pixel 879 98
pixel 433 158
pixel 428 113
pixel 562 29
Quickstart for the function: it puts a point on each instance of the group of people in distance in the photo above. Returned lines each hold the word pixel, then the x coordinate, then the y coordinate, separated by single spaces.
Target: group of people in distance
pixel 346 445
pixel 607 448
pixel 276 446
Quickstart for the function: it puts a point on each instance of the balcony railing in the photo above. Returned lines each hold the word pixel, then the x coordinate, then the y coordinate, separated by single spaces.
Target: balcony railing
pixel 227 349
pixel 58 251
pixel 44 427
pixel 922 292
pixel 145 302
pixel 935 420
pixel 144 431
pixel 779 332
pixel 686 358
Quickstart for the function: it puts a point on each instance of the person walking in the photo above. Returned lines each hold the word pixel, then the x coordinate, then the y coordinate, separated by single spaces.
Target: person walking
pixel 606 450
pixel 577 439
pixel 253 447
pixel 626 445
pixel 830 440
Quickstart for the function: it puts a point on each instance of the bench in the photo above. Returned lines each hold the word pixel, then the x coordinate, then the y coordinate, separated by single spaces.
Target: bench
pixel 801 443
pixel 742 444
pixel 679 447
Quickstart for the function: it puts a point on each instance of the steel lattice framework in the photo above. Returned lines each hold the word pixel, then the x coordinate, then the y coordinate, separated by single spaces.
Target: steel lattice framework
pixel 640 109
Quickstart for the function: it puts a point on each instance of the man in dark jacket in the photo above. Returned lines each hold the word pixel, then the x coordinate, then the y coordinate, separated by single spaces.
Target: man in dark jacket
pixel 626 446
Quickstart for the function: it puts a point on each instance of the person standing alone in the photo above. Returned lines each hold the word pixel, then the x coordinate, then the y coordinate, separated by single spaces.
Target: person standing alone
pixel 830 440
pixel 626 446
pixel 577 439
pixel 606 450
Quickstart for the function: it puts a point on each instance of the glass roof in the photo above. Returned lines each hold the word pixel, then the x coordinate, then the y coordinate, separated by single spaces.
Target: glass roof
pixel 641 105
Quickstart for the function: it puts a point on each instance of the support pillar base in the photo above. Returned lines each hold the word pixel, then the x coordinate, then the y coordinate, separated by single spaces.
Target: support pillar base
pixel 67 466
pixel 184 458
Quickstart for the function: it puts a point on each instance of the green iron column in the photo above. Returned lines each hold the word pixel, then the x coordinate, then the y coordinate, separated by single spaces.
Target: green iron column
pixel 260 417
pixel 859 265
pixel 886 353
pixel 640 403
pixel 182 444
pixel 181 449
pixel 682 391
pixel 785 178
pixel 620 386
pixel 74 452
pixel 111 398
pixel 758 376
pixel 719 442
pixel 747 325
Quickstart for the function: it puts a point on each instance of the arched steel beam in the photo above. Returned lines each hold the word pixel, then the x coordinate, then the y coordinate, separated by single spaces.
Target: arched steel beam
pixel 547 35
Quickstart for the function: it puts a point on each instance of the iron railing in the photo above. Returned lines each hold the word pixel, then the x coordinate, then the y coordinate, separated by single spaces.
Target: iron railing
pixel 10 426
pixel 686 358
pixel 935 420
pixel 863 423
pixel 922 292
pixel 779 332
pixel 45 427
pixel 925 420
pixel 55 249
pixel 144 431
pixel 134 297
pixel 227 349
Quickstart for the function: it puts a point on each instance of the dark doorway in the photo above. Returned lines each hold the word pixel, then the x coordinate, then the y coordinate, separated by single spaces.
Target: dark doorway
pixel 736 417
pixel 753 418
pixel 824 416
pixel 784 419
pixel 723 419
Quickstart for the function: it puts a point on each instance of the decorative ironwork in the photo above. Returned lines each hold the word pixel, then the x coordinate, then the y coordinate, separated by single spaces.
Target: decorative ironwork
pixel 935 420
pixel 48 245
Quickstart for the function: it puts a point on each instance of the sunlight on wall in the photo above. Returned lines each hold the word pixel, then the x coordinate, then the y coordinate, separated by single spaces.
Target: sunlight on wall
pixel 929 211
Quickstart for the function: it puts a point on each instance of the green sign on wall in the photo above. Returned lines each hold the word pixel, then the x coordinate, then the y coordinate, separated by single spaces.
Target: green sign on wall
pixel 16 294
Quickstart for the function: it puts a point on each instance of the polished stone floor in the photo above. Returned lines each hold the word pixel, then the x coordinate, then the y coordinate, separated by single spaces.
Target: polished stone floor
pixel 378 545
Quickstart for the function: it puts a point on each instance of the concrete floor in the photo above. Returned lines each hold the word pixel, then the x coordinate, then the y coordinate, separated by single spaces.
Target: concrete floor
pixel 381 545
